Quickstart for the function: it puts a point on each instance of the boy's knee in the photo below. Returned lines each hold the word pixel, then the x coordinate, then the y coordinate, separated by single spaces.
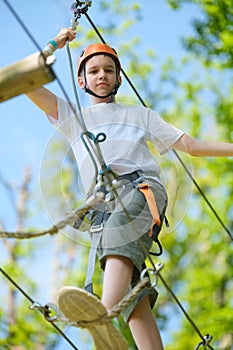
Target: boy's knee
pixel 146 298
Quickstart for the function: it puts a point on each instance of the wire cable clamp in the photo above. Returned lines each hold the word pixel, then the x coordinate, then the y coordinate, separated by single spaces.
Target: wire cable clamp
pixel 205 342
pixel 45 310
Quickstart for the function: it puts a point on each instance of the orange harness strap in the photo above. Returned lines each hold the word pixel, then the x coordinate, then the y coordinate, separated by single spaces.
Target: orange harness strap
pixel 150 198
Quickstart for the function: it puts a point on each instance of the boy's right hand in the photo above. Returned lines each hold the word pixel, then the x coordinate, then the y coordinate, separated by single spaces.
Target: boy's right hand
pixel 64 35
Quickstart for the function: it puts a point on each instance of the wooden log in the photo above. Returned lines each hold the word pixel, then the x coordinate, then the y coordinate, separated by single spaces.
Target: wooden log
pixel 25 75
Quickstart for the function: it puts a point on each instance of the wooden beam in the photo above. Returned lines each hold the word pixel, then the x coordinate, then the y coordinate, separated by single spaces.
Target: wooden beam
pixel 25 75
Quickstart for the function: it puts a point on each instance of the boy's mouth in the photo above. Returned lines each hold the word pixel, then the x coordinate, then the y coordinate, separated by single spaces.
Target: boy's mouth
pixel 102 84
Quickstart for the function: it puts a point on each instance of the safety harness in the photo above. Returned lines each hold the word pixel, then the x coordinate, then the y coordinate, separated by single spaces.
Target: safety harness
pixel 103 213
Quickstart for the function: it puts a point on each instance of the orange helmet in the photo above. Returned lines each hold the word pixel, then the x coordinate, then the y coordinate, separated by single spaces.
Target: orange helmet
pixel 97 49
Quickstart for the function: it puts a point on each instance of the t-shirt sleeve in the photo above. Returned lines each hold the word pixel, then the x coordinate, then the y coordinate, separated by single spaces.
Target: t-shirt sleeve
pixel 67 117
pixel 163 135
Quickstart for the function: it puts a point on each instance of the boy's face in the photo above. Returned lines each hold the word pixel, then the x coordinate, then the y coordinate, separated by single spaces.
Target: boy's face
pixel 100 75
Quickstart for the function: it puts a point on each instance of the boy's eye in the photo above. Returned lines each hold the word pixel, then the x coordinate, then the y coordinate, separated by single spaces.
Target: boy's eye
pixel 93 71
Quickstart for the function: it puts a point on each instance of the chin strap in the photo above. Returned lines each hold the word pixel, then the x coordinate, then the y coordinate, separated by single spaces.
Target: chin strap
pixel 90 92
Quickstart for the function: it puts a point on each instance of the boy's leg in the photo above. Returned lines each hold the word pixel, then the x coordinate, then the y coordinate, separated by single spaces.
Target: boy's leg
pixel 117 277
pixel 143 327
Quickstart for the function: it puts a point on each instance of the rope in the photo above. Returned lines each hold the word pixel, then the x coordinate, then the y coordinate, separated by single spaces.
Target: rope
pixel 118 308
pixel 114 312
pixel 69 220
pixel 129 298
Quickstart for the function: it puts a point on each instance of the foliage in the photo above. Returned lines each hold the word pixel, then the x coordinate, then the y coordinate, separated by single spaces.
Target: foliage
pixel 213 31
pixel 19 327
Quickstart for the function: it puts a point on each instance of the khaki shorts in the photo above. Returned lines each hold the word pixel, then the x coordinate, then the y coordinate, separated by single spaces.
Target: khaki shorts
pixel 126 231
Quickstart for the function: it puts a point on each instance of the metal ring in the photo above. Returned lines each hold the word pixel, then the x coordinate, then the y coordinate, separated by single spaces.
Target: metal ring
pixel 101 137
pixel 146 273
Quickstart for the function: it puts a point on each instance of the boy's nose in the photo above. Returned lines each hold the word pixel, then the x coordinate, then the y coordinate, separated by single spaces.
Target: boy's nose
pixel 103 74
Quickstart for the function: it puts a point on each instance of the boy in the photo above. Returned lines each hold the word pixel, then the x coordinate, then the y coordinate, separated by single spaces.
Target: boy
pixel 122 250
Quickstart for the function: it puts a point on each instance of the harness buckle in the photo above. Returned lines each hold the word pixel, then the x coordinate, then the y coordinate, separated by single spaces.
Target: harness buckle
pixel 96 228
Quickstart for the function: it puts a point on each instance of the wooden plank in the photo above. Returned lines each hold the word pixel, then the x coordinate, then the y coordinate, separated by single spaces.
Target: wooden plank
pixel 25 75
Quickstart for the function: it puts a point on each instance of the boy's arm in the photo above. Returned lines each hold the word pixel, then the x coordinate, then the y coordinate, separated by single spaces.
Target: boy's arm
pixel 201 148
pixel 45 100
pixel 42 97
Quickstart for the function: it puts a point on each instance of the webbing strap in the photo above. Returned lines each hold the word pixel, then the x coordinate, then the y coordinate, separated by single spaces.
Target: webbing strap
pixel 150 198
pixel 96 230
pixel 91 261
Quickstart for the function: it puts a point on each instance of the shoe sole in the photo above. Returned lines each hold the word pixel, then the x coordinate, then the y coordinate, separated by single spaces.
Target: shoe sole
pixel 82 307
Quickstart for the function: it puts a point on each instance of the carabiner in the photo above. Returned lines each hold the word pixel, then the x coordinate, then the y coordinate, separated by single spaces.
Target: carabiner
pixel 79 8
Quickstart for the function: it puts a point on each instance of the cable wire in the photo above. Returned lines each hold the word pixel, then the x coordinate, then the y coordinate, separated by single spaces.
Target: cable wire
pixel 182 309
pixel 22 24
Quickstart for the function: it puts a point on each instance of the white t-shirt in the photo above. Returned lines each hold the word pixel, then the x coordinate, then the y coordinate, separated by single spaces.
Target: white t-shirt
pixel 128 128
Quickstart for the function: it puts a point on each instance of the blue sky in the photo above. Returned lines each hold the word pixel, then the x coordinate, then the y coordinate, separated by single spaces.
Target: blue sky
pixel 25 131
